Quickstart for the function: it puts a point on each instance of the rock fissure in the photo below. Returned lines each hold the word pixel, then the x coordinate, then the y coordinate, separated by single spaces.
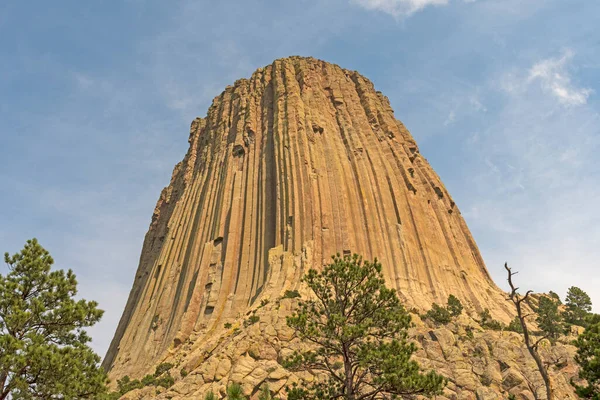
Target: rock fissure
pixel 301 161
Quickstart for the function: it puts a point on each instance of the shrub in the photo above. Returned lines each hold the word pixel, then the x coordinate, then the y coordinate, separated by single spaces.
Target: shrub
pixel 125 384
pixel 227 325
pixel 486 321
pixel 438 314
pixel 235 392
pixel 455 307
pixel 515 326
pixel 252 320
pixel 162 368
pixel 469 332
pixel 291 294
pixel 183 372
pixel 210 396
pixel 149 380
pixel 166 381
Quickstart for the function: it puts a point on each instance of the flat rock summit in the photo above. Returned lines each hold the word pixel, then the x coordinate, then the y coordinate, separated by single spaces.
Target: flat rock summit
pixel 301 161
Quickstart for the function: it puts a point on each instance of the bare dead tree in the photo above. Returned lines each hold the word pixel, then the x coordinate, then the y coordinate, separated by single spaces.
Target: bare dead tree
pixel 532 347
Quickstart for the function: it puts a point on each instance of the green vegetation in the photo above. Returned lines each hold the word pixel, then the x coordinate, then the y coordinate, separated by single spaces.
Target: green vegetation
pixel 44 350
pixel 438 314
pixel 162 368
pixel 515 326
pixel 548 319
pixel 252 320
pixel 486 321
pixel 235 392
pixel 161 377
pixel 291 294
pixel 454 306
pixel 210 396
pixel 444 315
pixel 588 358
pixel 359 328
pixel 125 384
pixel 578 307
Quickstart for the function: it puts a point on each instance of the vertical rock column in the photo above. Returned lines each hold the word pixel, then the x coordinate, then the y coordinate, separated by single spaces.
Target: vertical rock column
pixel 299 162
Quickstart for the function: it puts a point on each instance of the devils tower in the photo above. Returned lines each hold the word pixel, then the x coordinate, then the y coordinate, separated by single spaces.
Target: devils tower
pixel 299 162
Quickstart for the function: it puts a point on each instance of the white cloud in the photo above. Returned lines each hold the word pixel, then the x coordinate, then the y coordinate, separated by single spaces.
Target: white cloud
pixel 450 119
pixel 553 75
pixel 532 199
pixel 399 8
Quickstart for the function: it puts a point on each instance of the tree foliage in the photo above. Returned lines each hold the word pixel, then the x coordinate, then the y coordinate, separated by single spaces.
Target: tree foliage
pixel 235 392
pixel 44 352
pixel 549 319
pixel 588 358
pixel 515 325
pixel 358 328
pixel 454 306
pixel 438 314
pixel 578 306
pixel 443 315
pixel 210 396
pixel 487 321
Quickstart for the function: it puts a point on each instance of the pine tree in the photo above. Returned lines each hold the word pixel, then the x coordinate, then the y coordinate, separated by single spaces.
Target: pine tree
pixel 235 392
pixel 210 396
pixel 359 331
pixel 455 307
pixel 549 319
pixel 44 352
pixel 578 305
pixel 588 358
pixel 438 314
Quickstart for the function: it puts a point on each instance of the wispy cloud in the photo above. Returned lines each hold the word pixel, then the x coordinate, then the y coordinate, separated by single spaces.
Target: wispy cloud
pixel 531 202
pixel 399 8
pixel 554 77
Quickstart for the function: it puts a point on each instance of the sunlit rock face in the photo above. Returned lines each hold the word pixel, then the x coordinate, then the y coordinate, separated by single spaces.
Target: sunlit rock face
pixel 299 162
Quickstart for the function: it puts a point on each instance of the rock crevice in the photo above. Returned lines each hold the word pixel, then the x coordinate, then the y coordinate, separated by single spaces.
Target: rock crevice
pixel 299 162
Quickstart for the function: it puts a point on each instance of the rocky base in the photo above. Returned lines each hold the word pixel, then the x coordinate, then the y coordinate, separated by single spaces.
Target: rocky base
pixel 480 364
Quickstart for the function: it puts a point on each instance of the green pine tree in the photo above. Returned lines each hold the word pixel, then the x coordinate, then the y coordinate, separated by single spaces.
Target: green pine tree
pixel 515 325
pixel 44 352
pixel 439 314
pixel 210 396
pixel 588 358
pixel 549 319
pixel 455 307
pixel 578 305
pixel 359 331
pixel 235 392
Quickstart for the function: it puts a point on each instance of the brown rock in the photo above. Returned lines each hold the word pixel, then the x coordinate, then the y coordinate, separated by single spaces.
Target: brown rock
pixel 299 162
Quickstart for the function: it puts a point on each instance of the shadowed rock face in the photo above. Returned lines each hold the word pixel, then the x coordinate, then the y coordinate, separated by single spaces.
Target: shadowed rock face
pixel 301 161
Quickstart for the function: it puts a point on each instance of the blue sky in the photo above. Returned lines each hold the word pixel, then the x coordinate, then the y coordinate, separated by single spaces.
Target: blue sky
pixel 502 96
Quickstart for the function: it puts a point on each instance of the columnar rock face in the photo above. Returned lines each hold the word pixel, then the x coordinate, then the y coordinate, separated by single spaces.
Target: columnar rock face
pixel 299 162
